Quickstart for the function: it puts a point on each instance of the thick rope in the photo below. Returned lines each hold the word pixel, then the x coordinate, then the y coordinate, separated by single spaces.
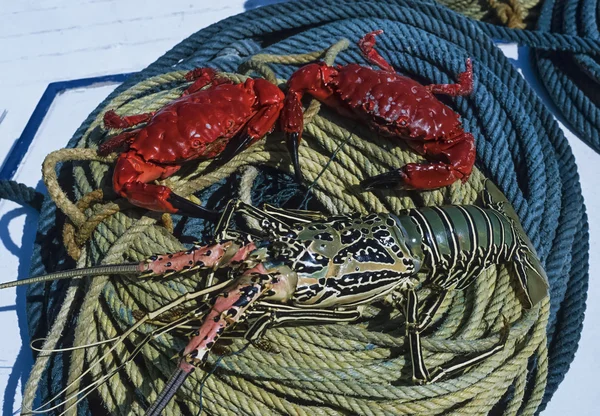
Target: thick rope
pixel 21 194
pixel 572 81
pixel 518 144
pixel 50 343
pixel 514 14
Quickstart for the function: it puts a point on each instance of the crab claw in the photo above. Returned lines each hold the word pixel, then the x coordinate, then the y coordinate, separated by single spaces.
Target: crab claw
pixel 188 208
pixel 395 179
pixel 428 176
pixel 233 148
pixel 292 145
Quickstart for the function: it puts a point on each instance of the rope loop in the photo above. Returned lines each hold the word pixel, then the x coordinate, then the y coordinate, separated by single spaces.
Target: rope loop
pixel 573 80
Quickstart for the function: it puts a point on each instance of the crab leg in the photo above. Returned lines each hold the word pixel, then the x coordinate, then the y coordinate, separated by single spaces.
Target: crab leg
pixel 464 86
pixel 120 140
pixel 312 79
pixel 367 47
pixel 202 77
pixel 166 136
pixel 114 121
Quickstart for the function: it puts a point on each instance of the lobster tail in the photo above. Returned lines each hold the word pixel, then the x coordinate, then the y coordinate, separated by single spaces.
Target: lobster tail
pixel 529 269
pixel 527 264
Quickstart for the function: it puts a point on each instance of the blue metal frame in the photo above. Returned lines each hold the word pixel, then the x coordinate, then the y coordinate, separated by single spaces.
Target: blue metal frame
pixel 21 145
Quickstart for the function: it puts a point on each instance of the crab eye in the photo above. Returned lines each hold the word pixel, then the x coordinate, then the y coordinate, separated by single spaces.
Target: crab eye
pixel 403 123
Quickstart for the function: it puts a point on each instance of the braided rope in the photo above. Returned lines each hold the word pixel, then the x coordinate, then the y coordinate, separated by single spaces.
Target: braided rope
pixel 573 80
pixel 518 144
pixel 511 13
pixel 20 194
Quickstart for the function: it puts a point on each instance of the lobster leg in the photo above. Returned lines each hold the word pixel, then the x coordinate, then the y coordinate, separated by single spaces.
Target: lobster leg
pixel 228 308
pixel 411 303
pixel 429 312
pixel 281 314
pixel 414 327
pixel 456 162
pixel 367 47
pixel 463 87
pixel 107 358
pixel 461 363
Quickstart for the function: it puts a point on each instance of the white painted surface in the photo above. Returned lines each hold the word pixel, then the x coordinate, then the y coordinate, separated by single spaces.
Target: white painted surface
pixel 66 115
pixel 52 40
pixel 43 41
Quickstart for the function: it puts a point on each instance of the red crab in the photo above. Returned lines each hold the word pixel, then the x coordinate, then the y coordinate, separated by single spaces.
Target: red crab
pixel 217 122
pixel 394 106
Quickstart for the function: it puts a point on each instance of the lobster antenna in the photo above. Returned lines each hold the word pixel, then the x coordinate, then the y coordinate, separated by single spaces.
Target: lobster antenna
pixel 126 268
pixel 175 381
pixel 95 385
pixel 90 388
pixel 331 159
pixel 150 316
pixel 33 342
pixel 205 378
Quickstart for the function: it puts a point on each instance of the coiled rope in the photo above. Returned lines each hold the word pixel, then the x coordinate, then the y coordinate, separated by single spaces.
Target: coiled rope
pixel 283 369
pixel 335 369
pixel 573 80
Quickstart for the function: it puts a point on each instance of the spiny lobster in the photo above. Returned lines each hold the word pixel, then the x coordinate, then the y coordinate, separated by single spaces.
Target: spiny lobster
pixel 217 122
pixel 394 106
pixel 309 267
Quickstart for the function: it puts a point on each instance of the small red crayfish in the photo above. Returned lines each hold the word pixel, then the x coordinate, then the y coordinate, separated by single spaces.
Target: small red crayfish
pixel 394 106
pixel 216 122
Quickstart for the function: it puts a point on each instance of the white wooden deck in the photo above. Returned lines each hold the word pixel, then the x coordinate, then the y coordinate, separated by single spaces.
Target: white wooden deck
pixel 45 41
